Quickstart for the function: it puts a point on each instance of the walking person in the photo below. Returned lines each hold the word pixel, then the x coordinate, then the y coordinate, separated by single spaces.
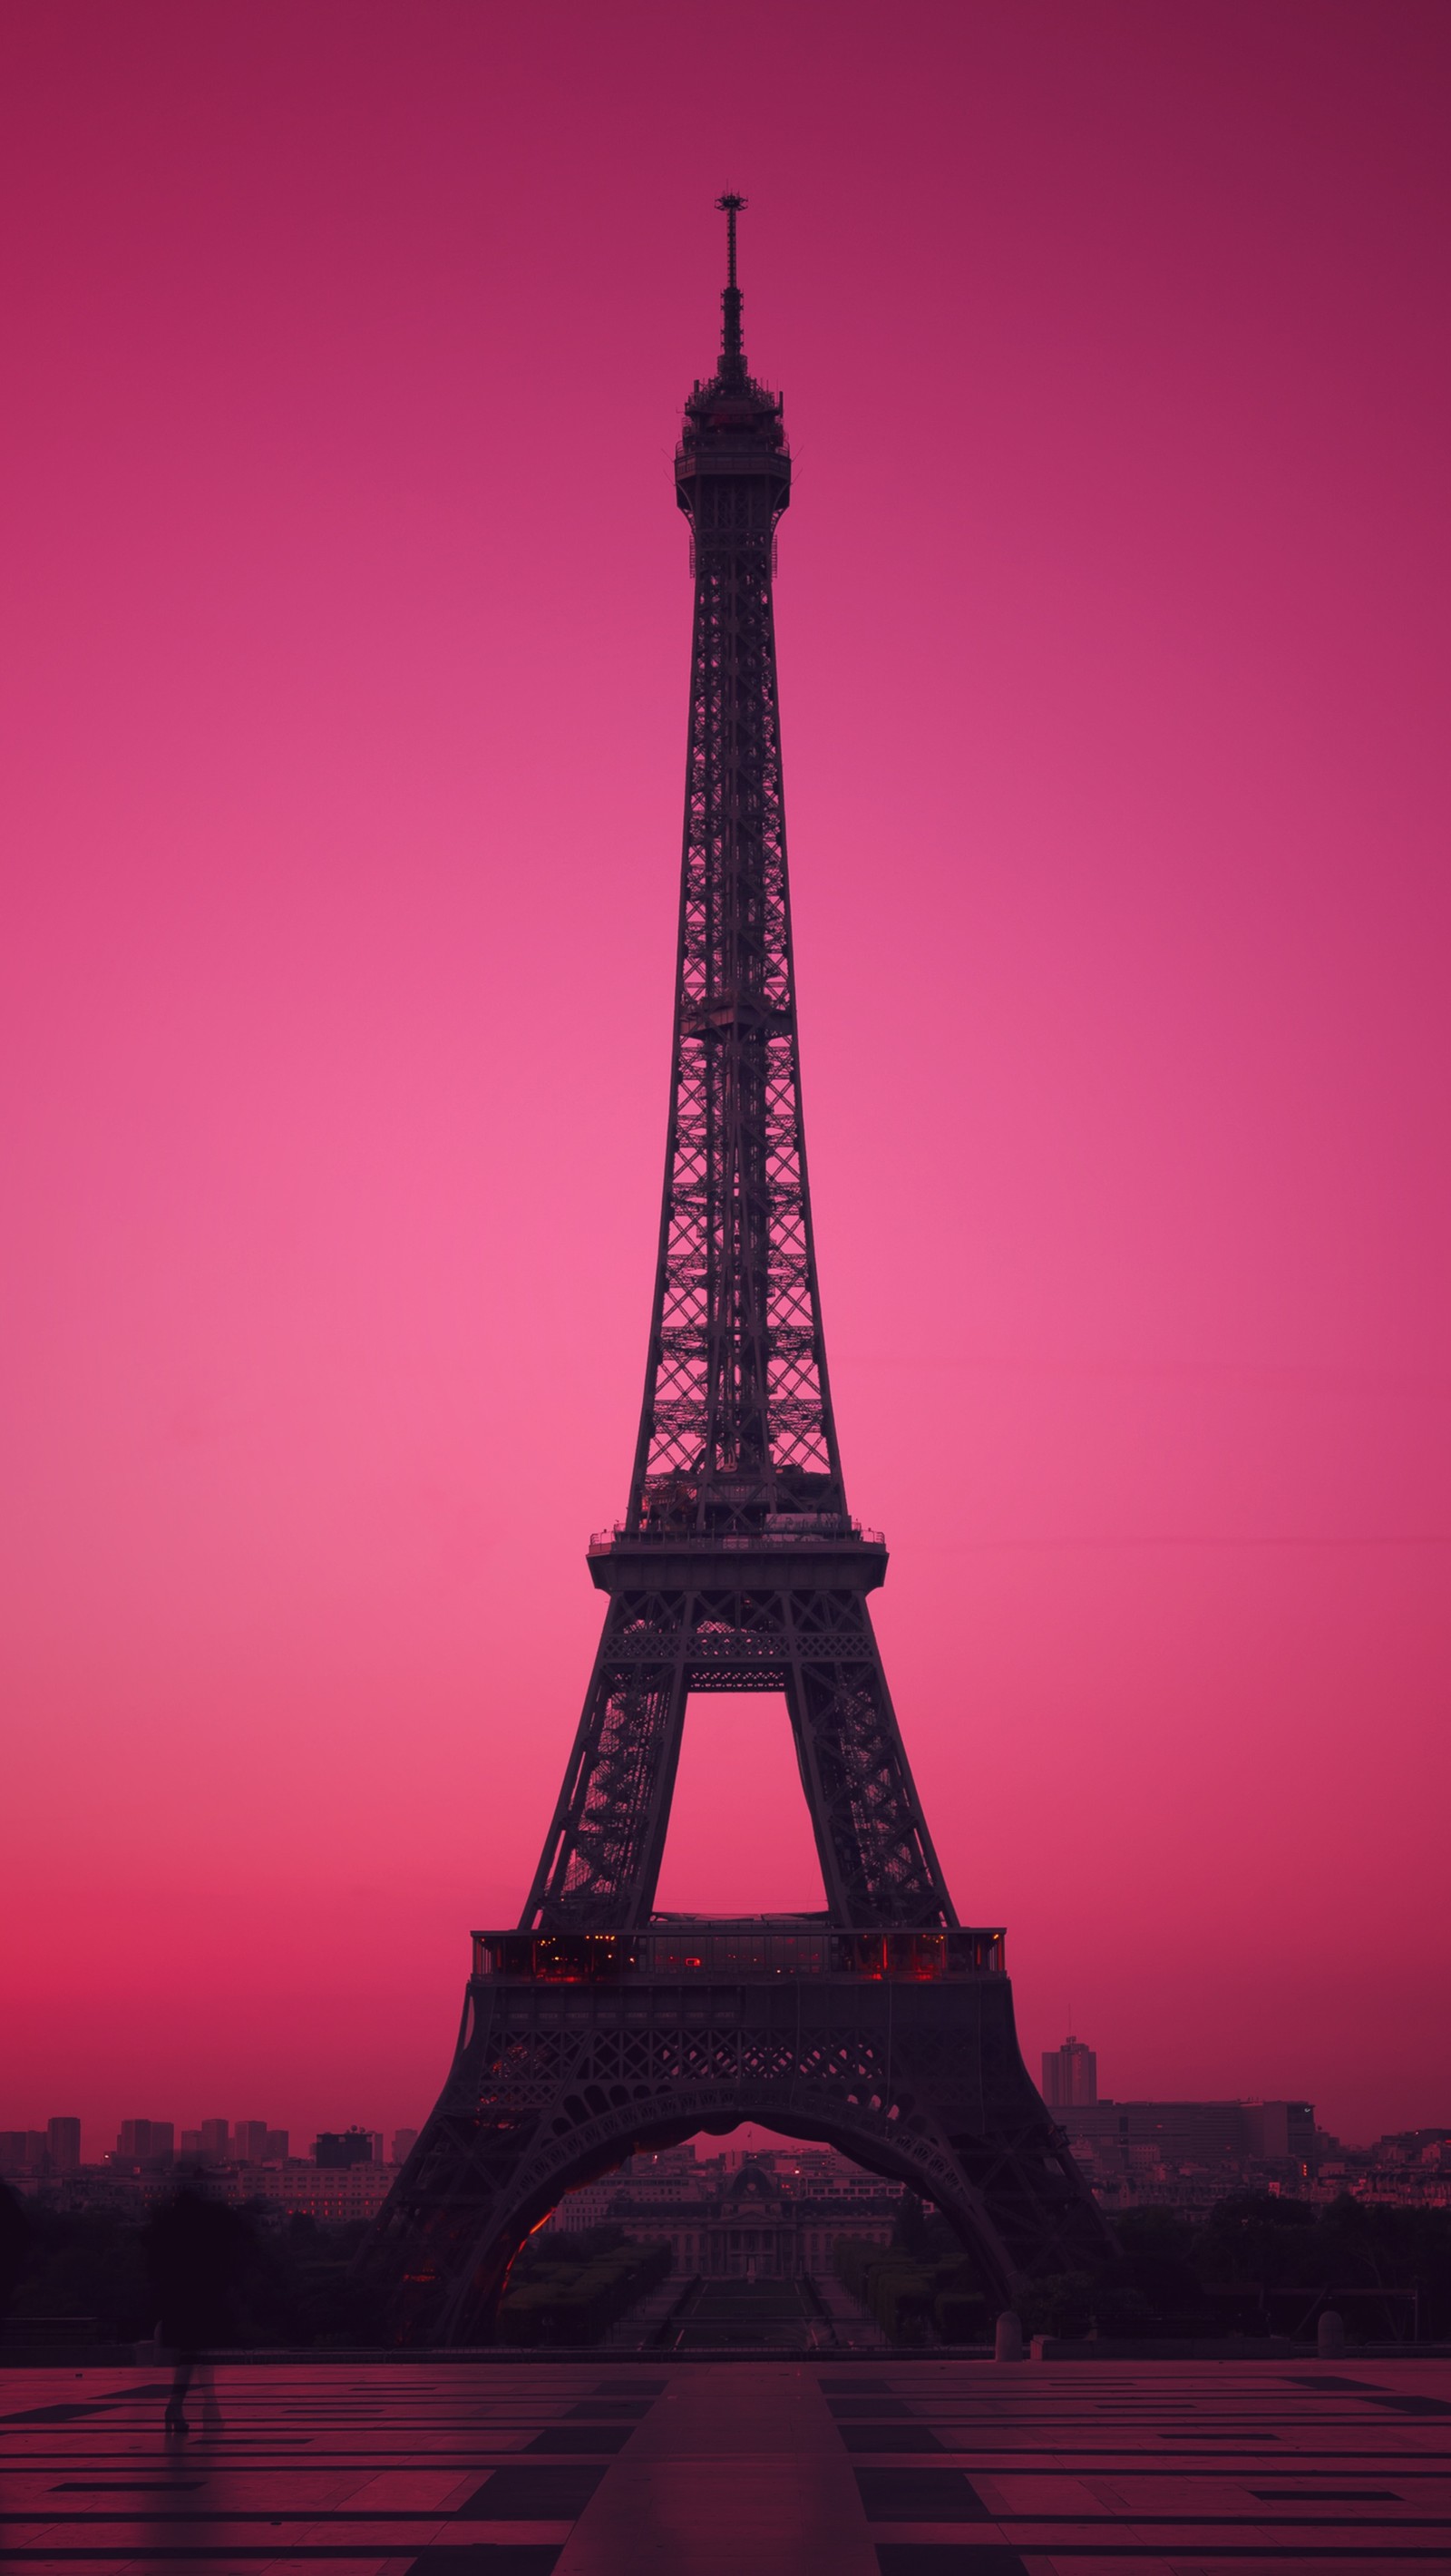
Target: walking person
pixel 15 2242
pixel 195 2249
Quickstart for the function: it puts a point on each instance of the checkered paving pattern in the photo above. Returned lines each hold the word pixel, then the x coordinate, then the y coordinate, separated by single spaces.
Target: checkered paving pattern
pixel 750 2468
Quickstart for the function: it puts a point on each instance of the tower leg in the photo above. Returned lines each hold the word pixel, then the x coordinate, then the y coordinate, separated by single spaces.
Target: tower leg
pixel 601 1857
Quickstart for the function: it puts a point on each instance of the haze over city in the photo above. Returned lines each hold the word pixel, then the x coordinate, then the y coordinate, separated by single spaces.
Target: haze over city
pixel 347 661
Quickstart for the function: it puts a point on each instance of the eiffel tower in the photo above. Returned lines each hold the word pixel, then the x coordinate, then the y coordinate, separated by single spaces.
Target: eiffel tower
pixel 598 2027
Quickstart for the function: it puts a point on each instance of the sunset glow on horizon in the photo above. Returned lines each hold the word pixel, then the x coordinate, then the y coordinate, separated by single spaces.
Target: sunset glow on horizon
pixel 347 672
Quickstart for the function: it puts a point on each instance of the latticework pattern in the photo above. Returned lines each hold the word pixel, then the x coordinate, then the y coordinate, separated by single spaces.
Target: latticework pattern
pixel 778 1629
pixel 921 2084
pixel 737 1386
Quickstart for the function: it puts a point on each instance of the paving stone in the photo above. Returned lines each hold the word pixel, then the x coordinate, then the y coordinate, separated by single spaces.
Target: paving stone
pixel 920 2495
pixel 578 2437
pixel 892 2437
pixel 947 2558
pixel 532 2495
pixel 733 2468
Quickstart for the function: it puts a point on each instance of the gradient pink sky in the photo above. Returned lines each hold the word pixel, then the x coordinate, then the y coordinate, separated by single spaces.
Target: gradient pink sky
pixel 346 683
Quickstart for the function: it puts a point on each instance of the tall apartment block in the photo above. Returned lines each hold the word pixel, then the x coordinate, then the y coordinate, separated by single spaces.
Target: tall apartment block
pixel 147 2140
pixel 1070 2074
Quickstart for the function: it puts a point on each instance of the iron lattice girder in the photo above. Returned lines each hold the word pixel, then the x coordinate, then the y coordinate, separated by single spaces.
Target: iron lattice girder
pixel 920 2081
pixel 768 1622
pixel 736 1380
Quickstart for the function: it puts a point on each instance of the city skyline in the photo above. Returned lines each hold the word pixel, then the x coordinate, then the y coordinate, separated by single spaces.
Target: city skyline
pixel 338 1035
pixel 1068 2081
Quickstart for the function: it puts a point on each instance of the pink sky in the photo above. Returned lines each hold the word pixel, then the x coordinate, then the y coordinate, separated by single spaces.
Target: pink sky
pixel 346 653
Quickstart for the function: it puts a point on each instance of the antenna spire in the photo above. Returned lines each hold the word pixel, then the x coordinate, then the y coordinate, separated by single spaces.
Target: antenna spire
pixel 733 363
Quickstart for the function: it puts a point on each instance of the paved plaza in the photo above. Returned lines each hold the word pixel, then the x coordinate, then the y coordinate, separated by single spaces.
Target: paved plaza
pixel 789 2467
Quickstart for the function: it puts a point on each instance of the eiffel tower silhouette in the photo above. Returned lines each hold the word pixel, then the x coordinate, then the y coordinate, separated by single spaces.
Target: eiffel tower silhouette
pixel 599 2027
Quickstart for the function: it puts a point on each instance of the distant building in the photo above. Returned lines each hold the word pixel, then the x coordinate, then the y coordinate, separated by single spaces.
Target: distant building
pixel 337 2147
pixel 1280 2132
pixel 249 2142
pixel 275 2149
pixel 404 2141
pixel 1182 2152
pixel 1412 2146
pixel 146 2141
pixel 63 2140
pixel 1070 2074
pixel 216 2140
pixel 191 2142
pixel 330 2194
pixel 24 2151
pixel 116 2185
pixel 751 2217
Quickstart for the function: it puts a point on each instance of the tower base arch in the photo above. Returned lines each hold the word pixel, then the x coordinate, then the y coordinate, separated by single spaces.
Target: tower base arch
pixel 909 2065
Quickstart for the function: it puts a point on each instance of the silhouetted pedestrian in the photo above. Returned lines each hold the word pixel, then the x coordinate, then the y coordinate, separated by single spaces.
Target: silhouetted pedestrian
pixel 14 2244
pixel 195 2251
